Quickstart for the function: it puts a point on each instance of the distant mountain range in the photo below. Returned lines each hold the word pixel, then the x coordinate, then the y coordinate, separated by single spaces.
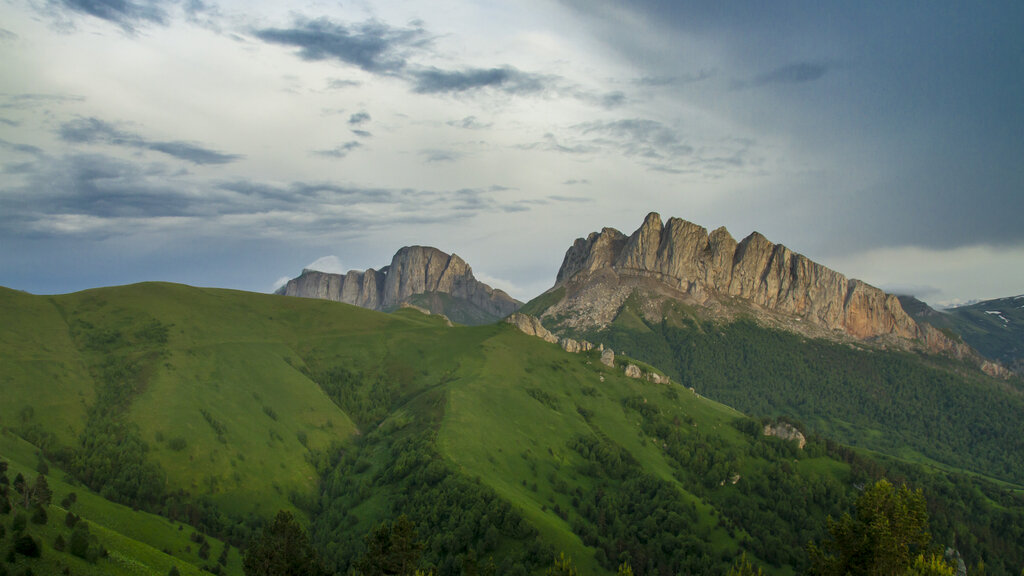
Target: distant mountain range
pixel 995 328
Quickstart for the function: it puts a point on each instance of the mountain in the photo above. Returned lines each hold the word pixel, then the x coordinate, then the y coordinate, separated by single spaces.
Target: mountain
pixel 217 407
pixel 995 328
pixel 418 275
pixel 679 261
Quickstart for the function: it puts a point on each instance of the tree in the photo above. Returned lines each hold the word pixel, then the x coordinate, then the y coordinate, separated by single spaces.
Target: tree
pixel 563 566
pixel 282 550
pixel 78 544
pixel 743 567
pixel 26 546
pixel 625 569
pixel 889 530
pixel 934 565
pixel 391 548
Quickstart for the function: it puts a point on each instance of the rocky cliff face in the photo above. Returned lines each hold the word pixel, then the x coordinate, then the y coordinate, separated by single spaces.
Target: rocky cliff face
pixel 414 271
pixel 682 259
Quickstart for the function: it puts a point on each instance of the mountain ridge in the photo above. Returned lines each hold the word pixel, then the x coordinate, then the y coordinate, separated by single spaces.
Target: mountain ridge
pixel 680 260
pixel 414 270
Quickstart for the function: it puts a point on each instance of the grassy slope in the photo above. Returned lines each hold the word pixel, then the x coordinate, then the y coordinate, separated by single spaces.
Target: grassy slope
pixel 225 354
pixel 38 349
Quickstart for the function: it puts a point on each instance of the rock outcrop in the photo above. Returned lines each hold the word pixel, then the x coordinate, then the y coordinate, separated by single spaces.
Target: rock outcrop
pixel 414 271
pixel 531 326
pixel 683 258
pixel 575 346
pixel 786 431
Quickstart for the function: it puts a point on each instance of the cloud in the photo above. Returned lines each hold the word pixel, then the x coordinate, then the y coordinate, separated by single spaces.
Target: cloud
pixel 574 181
pixel 341 84
pixel 22 148
pixel 431 156
pixel 339 151
pixel 192 152
pixel 795 73
pixel 124 13
pixel 573 199
pixel 469 123
pixel 658 146
pixel 372 46
pixel 330 264
pixel 678 80
pixel 34 100
pixel 639 137
pixel 613 99
pixel 552 144
pixel 359 118
pixel 505 79
pixel 279 283
pixel 90 187
pixel 362 133
pixel 96 131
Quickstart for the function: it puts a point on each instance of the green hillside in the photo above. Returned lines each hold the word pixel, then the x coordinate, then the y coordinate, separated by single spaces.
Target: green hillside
pixel 217 408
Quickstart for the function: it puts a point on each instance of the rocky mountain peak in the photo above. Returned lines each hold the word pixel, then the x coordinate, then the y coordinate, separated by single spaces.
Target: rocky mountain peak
pixel 683 259
pixel 422 275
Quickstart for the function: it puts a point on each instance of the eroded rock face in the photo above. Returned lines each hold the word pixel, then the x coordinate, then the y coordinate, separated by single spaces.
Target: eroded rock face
pixel 685 258
pixel 608 357
pixel 530 325
pixel 413 270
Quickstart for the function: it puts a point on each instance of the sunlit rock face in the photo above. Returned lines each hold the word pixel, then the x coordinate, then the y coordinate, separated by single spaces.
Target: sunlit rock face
pixel 413 270
pixel 678 258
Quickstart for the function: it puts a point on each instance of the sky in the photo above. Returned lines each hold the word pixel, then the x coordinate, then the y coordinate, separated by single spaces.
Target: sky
pixel 234 143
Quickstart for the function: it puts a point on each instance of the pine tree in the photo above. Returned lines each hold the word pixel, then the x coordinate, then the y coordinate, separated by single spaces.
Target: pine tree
pixel 391 548
pixel 889 530
pixel 282 550
pixel 563 566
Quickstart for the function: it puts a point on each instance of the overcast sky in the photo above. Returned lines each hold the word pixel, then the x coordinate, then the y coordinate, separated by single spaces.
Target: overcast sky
pixel 231 144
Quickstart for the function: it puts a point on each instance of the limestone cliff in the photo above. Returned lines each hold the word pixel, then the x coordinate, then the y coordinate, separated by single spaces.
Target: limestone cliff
pixel 681 260
pixel 420 275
